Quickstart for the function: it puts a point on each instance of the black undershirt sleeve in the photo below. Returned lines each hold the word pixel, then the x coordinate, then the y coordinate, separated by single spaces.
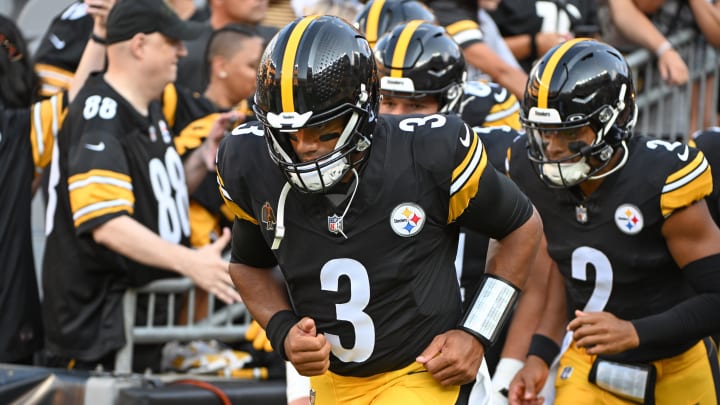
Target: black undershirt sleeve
pixel 249 246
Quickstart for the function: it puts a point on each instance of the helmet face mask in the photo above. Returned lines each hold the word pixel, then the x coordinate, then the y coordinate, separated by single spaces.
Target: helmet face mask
pixel 419 59
pixel 316 70
pixel 578 84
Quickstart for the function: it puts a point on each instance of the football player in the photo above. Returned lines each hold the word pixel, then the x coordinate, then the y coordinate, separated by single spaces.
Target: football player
pixel 459 19
pixel 361 215
pixel 117 211
pixel 630 233
pixel 422 71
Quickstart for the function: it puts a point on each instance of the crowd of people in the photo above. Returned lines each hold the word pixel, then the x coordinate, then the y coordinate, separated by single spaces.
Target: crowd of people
pixel 417 201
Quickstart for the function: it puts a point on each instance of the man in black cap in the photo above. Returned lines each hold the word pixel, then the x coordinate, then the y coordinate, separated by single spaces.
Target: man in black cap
pixel 118 198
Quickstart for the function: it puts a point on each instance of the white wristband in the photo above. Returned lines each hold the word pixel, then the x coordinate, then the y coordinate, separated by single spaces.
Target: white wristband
pixel 505 372
pixel 664 47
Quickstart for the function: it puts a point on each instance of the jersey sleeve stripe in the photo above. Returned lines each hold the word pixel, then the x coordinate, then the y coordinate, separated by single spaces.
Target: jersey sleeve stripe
pixel 169 103
pixel 680 174
pixel 232 206
pixel 46 119
pixel 462 25
pixel 99 174
pixel 99 209
pixel 466 186
pixel 693 186
pixel 53 79
pixel 461 169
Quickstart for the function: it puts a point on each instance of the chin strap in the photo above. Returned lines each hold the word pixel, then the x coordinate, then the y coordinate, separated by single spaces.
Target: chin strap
pixel 280 224
pixel 347 208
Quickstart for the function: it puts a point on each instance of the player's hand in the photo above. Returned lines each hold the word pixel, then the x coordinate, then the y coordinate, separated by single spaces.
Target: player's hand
pixel 307 350
pixel 602 333
pixel 453 358
pixel 673 68
pixel 210 272
pixel 216 134
pixel 528 382
pixel 256 335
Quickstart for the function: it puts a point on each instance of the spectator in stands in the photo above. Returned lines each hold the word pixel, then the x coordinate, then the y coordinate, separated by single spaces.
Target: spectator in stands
pixel 58 54
pixel 531 28
pixel 117 212
pixel 248 13
pixel 233 56
pixel 626 25
pixel 492 36
pixel 316 126
pixel 26 146
pixel 636 286
pixel 458 18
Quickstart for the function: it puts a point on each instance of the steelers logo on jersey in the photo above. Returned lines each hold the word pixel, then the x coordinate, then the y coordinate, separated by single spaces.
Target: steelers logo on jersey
pixel 407 219
pixel 629 219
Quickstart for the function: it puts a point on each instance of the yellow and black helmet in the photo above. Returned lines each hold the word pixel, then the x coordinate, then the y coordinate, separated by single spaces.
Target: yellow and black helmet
pixel 419 59
pixel 381 16
pixel 581 82
pixel 317 69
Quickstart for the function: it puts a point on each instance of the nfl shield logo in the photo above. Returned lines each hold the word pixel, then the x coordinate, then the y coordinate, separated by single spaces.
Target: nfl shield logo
pixel 335 224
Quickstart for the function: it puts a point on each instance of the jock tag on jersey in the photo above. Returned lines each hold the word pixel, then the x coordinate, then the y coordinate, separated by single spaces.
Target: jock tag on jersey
pixel 407 219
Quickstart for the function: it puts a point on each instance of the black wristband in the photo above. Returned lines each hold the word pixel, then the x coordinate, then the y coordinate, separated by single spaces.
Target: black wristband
pixel 533 46
pixel 97 39
pixel 277 329
pixel 543 347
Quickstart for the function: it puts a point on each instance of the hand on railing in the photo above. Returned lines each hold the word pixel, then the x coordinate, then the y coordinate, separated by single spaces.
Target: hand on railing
pixel 256 335
pixel 671 65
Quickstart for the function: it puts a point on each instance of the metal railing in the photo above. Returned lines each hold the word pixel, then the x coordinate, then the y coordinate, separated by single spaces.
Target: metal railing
pixel 665 111
pixel 228 323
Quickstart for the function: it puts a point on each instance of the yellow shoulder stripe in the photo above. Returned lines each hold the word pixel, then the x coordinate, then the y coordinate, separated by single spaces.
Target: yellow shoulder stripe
pixel 687 185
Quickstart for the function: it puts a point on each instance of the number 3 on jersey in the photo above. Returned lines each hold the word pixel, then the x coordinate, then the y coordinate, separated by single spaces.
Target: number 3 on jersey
pixel 351 311
pixel 168 184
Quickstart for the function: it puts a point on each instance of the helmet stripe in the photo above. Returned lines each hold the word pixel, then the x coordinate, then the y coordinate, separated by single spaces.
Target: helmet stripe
pixel 401 47
pixel 287 74
pixel 549 70
pixel 373 19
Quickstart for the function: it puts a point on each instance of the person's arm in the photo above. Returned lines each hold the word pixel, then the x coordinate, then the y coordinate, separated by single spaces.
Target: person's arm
pixel 525 321
pixel 93 58
pixel 202 160
pixel 707 17
pixel 637 27
pixel 485 59
pixel 694 242
pixel 545 343
pixel 205 267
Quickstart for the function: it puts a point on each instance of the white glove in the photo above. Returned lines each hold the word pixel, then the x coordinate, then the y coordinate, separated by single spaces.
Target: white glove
pixel 504 374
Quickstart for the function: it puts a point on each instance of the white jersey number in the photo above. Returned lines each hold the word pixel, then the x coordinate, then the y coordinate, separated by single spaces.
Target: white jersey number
pixel 585 256
pixel 168 179
pixel 352 310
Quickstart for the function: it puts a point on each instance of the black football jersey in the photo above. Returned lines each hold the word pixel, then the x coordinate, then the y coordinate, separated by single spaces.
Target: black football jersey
pixel 382 294
pixel 26 146
pixel 708 141
pixel 609 246
pixel 112 161
pixel 487 104
pixel 60 49
pixel 459 17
